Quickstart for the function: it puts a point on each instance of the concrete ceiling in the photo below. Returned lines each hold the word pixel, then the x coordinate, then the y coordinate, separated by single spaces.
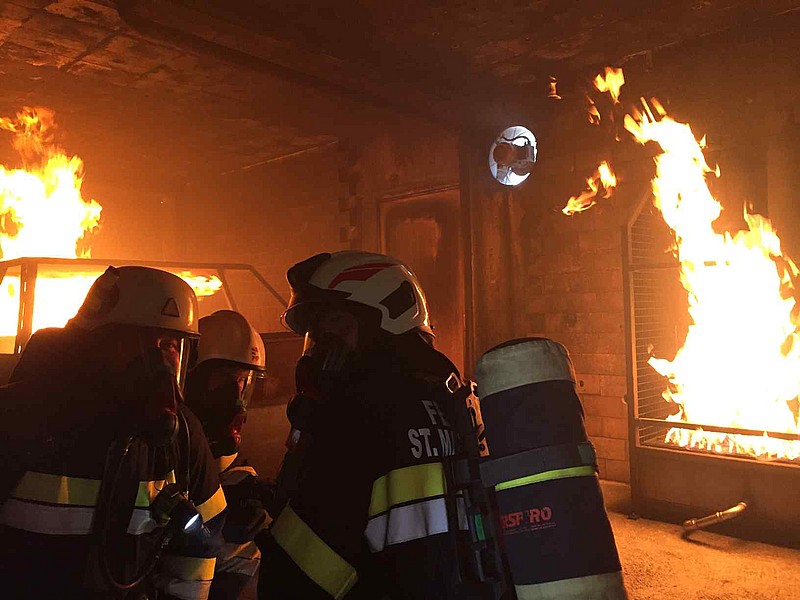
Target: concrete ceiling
pixel 265 64
pixel 102 76
pixel 450 58
pixel 516 42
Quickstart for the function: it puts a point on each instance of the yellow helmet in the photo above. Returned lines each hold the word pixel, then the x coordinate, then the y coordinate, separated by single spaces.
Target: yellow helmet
pixel 227 335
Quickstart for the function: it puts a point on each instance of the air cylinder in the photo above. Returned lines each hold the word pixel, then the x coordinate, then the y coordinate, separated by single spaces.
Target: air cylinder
pixel 555 530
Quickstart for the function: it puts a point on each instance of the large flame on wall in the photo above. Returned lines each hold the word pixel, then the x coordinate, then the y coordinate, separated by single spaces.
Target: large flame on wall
pixel 739 366
pixel 43 214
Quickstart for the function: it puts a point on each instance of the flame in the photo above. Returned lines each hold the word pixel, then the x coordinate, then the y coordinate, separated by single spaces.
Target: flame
pixel 739 366
pixel 594 114
pixel 43 214
pixel 604 178
pixel 203 285
pixel 611 82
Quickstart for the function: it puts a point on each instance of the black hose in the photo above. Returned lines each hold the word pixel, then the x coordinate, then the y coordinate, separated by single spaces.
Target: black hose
pixel 108 489
pixel 104 506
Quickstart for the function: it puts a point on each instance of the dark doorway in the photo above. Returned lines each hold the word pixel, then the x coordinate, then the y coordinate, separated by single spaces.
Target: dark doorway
pixel 425 231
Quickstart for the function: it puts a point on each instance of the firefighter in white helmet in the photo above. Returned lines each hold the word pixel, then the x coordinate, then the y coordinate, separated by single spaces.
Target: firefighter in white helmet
pixel 115 489
pixel 363 486
pixel 230 354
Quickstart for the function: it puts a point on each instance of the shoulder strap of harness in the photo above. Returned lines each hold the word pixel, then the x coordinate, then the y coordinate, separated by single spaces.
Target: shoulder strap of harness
pixel 482 560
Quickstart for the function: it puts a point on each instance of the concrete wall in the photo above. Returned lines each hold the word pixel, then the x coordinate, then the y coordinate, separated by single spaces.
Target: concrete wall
pixel 271 217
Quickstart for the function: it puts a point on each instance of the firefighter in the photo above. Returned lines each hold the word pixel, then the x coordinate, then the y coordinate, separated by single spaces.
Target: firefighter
pixel 230 353
pixel 366 507
pixel 114 493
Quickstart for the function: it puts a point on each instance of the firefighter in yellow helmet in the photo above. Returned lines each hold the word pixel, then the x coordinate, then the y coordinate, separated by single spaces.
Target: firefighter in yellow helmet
pixel 363 487
pixel 230 353
pixel 113 492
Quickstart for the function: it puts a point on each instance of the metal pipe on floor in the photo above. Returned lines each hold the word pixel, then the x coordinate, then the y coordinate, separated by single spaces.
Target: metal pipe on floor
pixel 718 517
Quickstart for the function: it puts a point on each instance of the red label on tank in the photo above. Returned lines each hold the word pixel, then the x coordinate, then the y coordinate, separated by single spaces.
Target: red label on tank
pixel 529 519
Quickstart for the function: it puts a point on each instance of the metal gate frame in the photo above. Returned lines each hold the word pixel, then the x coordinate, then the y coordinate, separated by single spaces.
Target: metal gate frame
pixel 670 483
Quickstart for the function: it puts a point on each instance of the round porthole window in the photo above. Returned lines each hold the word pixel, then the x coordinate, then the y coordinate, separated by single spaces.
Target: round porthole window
pixel 513 155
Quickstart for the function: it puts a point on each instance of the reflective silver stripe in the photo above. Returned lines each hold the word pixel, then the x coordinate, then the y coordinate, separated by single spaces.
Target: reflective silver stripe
pixel 531 361
pixel 63 520
pixel 185 577
pixel 411 522
pixel 141 522
pixel 43 518
pixel 236 475
pixel 240 565
pixel 186 590
pixel 230 550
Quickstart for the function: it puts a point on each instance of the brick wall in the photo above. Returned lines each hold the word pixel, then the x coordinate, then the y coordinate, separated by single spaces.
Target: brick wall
pixel 578 300
pixel 540 273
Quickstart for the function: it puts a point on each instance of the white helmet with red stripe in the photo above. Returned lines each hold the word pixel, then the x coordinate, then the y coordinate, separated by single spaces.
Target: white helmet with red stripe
pixel 377 281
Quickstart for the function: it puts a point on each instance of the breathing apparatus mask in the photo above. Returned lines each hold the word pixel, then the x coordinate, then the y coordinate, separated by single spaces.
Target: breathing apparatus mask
pixel 154 380
pixel 218 392
pixel 331 354
pixel 326 353
pixel 225 416
pixel 325 360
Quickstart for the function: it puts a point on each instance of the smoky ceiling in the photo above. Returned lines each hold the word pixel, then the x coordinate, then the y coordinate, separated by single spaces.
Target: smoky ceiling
pixel 453 62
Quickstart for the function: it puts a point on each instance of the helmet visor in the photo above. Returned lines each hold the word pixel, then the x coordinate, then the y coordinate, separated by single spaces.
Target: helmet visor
pixel 248 385
pixel 241 377
pixel 174 347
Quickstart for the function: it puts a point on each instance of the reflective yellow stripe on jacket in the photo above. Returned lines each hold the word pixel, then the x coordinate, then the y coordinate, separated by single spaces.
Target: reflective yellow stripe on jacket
pixel 406 484
pixel 61 505
pixel 213 506
pixel 408 504
pixel 77 491
pixel 223 462
pixel 312 555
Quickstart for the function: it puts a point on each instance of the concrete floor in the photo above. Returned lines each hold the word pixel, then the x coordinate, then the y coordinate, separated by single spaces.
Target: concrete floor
pixel 660 565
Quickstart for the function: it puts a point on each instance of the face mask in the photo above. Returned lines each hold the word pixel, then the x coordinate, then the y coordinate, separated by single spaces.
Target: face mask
pixel 317 373
pixel 223 419
pixel 227 439
pixel 155 394
pixel 329 354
